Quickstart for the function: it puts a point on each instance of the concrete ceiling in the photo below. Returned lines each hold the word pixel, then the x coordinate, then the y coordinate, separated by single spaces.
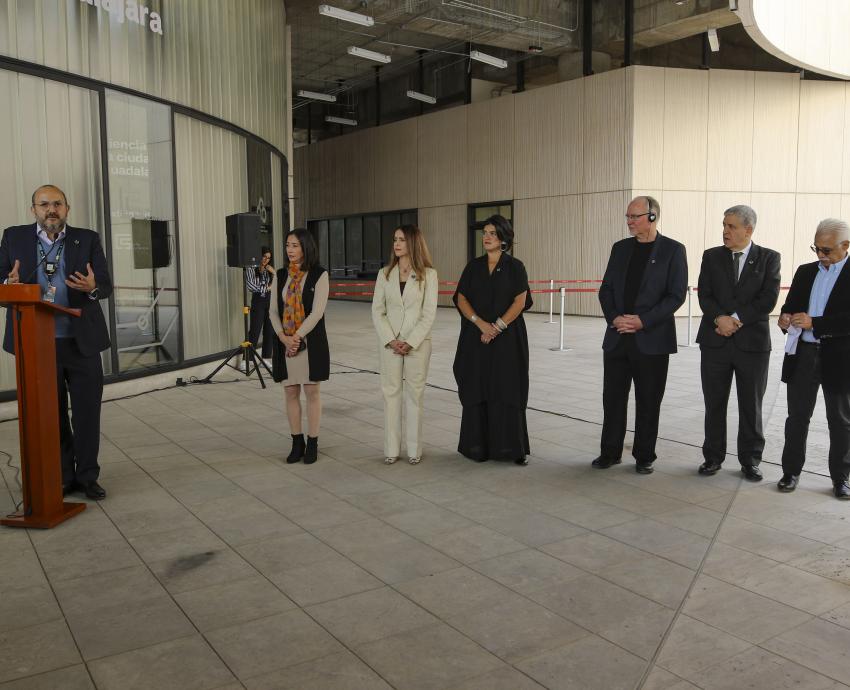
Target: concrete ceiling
pixel 508 28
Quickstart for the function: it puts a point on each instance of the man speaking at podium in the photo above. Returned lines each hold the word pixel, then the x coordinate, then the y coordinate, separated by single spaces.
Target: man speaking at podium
pixel 69 265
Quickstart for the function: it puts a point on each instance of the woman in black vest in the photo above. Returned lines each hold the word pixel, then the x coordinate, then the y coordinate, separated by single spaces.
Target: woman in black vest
pixel 491 363
pixel 301 356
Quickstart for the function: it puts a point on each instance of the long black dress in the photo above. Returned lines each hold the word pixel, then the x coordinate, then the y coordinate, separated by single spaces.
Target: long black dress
pixel 492 379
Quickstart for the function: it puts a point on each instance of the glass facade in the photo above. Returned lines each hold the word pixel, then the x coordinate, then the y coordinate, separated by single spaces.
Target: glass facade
pixel 143 232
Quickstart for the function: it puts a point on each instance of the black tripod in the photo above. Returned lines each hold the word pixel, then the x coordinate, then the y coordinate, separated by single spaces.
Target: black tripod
pixel 246 350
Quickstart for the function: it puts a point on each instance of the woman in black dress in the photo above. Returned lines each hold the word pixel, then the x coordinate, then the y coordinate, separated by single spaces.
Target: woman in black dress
pixel 491 364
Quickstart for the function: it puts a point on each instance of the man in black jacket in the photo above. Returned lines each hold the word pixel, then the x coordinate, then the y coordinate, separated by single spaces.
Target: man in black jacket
pixel 69 265
pixel 738 288
pixel 816 316
pixel 644 284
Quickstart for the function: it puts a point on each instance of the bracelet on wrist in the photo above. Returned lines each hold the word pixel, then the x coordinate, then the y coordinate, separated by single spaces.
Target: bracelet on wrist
pixel 473 318
pixel 501 324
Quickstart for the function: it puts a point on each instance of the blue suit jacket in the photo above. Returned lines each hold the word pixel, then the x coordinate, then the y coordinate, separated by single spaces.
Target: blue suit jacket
pixel 81 247
pixel 662 291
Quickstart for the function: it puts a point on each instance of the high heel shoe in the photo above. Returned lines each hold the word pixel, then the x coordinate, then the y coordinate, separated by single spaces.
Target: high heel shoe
pixel 390 461
pixel 311 453
pixel 298 447
pixel 414 461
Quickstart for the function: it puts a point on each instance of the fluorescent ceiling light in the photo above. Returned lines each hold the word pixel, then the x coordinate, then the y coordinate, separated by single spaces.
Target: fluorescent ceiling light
pixel 346 16
pixel 424 97
pixel 368 54
pixel 340 120
pixel 316 96
pixel 488 59
pixel 713 40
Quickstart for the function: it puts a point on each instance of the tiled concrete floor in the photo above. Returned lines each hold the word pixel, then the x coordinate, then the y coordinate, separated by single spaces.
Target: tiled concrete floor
pixel 213 564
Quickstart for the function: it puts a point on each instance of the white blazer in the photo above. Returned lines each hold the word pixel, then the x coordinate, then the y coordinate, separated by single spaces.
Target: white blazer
pixel 406 317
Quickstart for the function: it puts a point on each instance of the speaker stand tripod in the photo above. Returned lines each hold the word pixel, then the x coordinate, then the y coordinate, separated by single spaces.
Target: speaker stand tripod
pixel 246 350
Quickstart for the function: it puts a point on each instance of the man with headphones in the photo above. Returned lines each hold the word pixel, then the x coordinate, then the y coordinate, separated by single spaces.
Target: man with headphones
pixel 645 282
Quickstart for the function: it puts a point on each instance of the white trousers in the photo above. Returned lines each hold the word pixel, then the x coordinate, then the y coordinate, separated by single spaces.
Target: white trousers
pixel 412 368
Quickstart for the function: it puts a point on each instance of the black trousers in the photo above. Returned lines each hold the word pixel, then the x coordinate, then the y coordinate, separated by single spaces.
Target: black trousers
pixel 622 365
pixel 260 322
pixel 802 392
pixel 80 378
pixel 717 365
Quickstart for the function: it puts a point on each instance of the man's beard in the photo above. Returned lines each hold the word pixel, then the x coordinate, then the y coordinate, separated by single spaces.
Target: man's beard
pixel 54 225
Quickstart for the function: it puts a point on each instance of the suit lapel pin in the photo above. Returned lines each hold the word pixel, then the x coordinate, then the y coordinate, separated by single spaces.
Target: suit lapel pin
pixel 76 242
pixel 652 261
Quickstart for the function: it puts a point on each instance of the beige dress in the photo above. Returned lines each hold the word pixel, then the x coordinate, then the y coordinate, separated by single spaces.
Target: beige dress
pixel 297 367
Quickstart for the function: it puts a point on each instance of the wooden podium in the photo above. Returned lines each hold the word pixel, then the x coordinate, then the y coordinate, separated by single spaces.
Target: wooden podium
pixel 38 411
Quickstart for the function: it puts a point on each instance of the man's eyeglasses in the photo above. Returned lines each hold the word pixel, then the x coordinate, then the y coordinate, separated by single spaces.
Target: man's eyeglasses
pixel 55 205
pixel 821 250
pixel 635 216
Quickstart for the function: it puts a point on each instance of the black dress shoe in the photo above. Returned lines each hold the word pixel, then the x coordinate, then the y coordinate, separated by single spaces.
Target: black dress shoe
pixel 644 468
pixel 68 489
pixel 709 468
pixel 788 483
pixel 521 461
pixel 752 473
pixel 603 463
pixel 841 490
pixel 93 490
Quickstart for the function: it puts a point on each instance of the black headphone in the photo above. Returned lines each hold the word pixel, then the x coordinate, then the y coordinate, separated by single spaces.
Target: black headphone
pixel 650 216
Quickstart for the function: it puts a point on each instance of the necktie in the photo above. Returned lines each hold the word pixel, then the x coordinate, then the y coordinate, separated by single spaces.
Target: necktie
pixel 736 257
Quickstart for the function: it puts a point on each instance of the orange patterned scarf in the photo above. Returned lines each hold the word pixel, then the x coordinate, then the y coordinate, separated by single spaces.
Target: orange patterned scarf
pixel 293 308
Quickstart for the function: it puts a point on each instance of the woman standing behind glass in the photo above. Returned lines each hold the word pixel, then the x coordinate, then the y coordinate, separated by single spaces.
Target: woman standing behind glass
pixel 403 310
pixel 301 356
pixel 491 364
pixel 258 280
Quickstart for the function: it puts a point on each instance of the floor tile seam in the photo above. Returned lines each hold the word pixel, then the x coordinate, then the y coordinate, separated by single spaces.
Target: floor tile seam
pixel 697 573
pixel 61 609
pixel 52 670
pixel 800 662
pixel 747 589
pixel 820 544
pixel 171 596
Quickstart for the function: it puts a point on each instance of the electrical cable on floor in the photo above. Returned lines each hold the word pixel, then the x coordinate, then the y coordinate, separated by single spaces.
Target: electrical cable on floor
pixel 17 480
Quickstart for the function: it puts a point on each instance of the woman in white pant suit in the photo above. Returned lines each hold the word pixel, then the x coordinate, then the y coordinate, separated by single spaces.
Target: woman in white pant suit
pixel 403 311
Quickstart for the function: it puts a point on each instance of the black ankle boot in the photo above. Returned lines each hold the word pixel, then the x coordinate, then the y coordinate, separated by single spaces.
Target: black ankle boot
pixel 312 452
pixel 297 451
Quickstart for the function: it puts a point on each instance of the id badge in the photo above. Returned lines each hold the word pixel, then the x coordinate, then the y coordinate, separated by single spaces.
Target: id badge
pixel 50 294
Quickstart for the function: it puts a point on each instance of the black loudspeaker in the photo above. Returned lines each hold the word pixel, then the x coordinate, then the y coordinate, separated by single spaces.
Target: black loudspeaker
pixel 243 240
pixel 150 243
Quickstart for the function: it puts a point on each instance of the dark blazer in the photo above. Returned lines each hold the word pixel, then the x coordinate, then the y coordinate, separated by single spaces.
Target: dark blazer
pixel 662 291
pixel 81 247
pixel 832 329
pixel 752 298
pixel 318 353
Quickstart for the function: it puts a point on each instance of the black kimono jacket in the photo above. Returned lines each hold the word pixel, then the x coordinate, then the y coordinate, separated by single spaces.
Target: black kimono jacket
pixel 496 372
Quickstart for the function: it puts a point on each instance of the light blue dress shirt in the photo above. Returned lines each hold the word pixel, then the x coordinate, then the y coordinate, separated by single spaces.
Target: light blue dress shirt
pixel 821 290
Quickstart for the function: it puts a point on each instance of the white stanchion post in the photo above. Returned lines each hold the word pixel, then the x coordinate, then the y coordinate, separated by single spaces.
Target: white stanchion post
pixel 690 313
pixel 561 347
pixel 551 300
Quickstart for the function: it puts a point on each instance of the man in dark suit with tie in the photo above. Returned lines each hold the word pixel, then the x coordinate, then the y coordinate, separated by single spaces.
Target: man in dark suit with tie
pixel 644 284
pixel 738 288
pixel 816 317
pixel 69 265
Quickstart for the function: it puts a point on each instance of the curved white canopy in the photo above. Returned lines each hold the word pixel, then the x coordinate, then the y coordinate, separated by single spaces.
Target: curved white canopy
pixel 812 34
